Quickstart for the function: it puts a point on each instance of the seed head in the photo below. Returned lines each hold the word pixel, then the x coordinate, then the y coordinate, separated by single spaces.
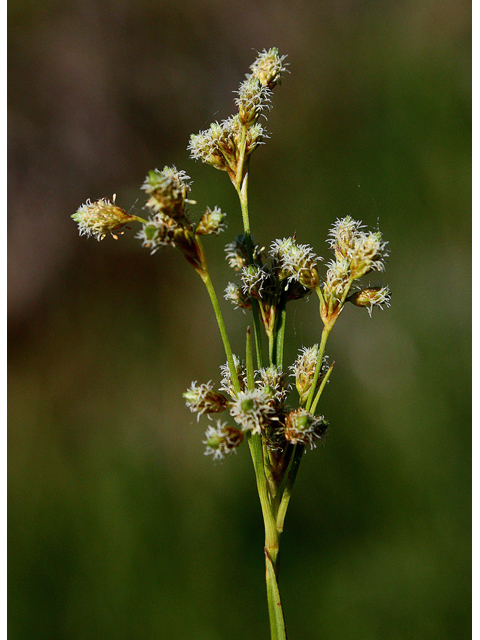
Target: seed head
pixel 364 251
pixel 235 295
pixel 268 67
pixel 371 297
pixel 211 223
pixel 301 427
pixel 203 399
pixel 252 410
pixel 297 262
pixel 101 217
pixel 222 440
pixel 168 191
pixel 303 370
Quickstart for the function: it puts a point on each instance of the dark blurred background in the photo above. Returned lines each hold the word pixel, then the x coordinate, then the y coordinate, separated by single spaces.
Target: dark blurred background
pixel 119 526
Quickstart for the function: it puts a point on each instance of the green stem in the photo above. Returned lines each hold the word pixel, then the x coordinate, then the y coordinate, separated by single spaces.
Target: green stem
pixel 241 187
pixel 242 191
pixel 272 537
pixel 318 367
pixel 320 296
pixel 321 388
pixel 241 162
pixel 287 493
pixel 139 219
pixel 249 362
pixel 277 623
pixel 257 449
pixel 204 274
pixel 271 533
pixel 271 348
pixel 280 330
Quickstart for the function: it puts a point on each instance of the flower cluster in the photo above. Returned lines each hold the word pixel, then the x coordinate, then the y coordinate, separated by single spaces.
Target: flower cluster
pixel 222 440
pixel 237 254
pixel 296 262
pixel 211 223
pixel 357 253
pixel 301 427
pixel 252 410
pixel 101 217
pixel 203 399
pixel 256 401
pixel 228 144
pixel 235 295
pixel 303 370
pixel 253 99
pixel 290 273
pixel 269 67
pixel 255 281
pixel 365 252
pixel 260 411
pixel 169 223
pixel 167 191
pixel 370 298
pixel 266 281
pixel 226 383
pixel 273 383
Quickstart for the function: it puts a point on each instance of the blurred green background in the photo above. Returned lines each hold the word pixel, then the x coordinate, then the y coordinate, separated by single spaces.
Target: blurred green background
pixel 119 526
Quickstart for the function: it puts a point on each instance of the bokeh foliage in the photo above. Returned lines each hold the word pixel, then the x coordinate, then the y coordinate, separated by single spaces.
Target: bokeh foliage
pixel 119 527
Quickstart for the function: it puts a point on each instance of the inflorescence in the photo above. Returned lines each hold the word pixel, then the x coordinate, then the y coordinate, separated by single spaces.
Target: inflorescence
pixel 227 144
pixel 262 410
pixel 266 282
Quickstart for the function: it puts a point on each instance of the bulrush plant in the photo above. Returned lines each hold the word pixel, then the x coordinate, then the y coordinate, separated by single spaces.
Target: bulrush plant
pixel 255 400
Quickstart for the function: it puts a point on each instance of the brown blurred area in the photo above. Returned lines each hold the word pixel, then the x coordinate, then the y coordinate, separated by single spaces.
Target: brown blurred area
pixel 99 92
pixel 96 90
pixel 119 526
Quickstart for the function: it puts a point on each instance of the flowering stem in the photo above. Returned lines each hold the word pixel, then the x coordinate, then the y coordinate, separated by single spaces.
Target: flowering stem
pixel 320 295
pixel 272 540
pixel 241 186
pixel 204 274
pixel 267 490
pixel 249 362
pixel 280 331
pixel 277 623
pixel 271 345
pixel 318 367
pixel 291 477
pixel 321 388
pixel 259 405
